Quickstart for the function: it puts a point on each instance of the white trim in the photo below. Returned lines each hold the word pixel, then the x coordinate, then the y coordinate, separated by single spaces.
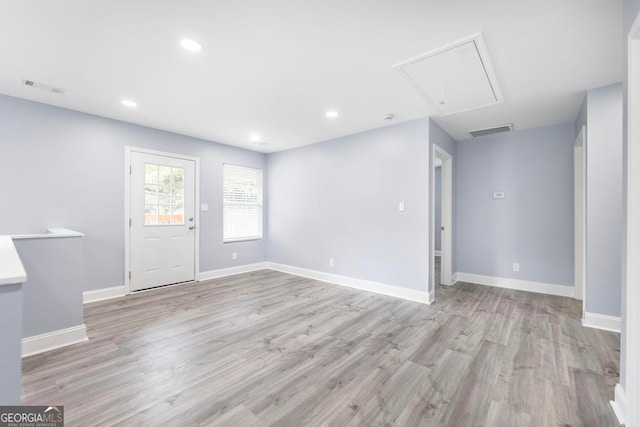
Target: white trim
pixel 11 269
pixel 630 376
pixel 52 340
pixel 580 223
pixel 517 284
pixel 437 253
pixel 619 405
pixel 601 321
pixel 52 233
pixel 230 271
pixel 103 294
pixel 454 278
pixel 352 282
pixel 446 248
pixel 127 208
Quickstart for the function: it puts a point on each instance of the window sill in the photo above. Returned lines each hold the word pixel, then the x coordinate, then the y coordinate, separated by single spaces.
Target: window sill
pixel 243 239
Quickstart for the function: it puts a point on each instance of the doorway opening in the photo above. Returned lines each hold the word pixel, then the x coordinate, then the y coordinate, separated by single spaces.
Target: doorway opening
pixel 442 220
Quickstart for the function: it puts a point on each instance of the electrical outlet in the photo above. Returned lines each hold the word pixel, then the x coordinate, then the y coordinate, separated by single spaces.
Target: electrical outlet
pixel 516 266
pixel 234 255
pixel 331 262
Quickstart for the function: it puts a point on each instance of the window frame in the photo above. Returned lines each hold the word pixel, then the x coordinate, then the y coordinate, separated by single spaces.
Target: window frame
pixel 259 204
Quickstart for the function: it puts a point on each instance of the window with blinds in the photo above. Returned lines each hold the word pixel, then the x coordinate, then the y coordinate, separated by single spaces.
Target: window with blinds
pixel 242 201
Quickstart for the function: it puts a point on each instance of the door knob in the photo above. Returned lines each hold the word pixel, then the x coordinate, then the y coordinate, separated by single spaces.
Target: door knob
pixel 191 228
pixel 191 219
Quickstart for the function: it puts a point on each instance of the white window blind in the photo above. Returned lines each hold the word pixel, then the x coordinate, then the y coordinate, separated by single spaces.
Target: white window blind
pixel 242 200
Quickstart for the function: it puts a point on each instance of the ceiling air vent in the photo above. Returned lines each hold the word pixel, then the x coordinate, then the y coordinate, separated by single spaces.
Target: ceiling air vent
pixel 491 131
pixel 43 86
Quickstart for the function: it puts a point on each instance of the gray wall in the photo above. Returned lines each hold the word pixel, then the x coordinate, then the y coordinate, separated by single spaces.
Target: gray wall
pixel 439 137
pixel 53 290
pixel 533 225
pixel 67 170
pixel 437 200
pixel 604 200
pixel 339 199
pixel 11 346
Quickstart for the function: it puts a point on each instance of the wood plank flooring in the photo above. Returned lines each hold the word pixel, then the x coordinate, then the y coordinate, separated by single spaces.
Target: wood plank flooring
pixel 267 348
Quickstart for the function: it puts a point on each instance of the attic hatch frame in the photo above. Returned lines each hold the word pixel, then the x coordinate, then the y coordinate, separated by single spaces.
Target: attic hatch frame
pixel 483 53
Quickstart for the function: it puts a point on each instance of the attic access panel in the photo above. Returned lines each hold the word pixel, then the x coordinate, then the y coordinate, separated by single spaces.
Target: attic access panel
pixel 455 78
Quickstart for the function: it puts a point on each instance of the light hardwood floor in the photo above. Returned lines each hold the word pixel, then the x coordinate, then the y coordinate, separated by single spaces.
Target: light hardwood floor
pixel 267 348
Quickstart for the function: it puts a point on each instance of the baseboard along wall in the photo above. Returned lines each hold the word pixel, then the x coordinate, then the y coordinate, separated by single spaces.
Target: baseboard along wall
pixel 53 340
pixel 619 405
pixel 351 282
pixel 516 284
pixel 230 271
pixel 601 321
pixel 103 294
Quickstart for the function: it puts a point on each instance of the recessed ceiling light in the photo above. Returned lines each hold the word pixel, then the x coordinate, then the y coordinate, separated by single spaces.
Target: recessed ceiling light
pixel 191 45
pixel 332 114
pixel 129 103
pixel 255 138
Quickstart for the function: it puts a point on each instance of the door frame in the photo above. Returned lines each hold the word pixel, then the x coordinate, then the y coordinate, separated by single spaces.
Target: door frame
pixel 446 248
pixel 127 208
pixel 580 208
pixel 624 404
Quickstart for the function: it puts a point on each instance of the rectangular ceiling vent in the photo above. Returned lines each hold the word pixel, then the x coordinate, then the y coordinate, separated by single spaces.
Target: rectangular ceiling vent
pixel 491 131
pixel 454 78
pixel 43 86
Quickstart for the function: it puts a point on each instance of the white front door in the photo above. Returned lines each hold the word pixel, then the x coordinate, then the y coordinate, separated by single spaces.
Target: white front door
pixel 162 224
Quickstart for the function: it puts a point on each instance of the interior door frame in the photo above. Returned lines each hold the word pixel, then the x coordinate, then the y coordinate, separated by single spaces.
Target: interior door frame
pixel 446 248
pixel 127 209
pixel 580 208
pixel 626 397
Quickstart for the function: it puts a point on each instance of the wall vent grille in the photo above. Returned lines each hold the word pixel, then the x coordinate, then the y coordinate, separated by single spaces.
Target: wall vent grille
pixel 490 131
pixel 43 86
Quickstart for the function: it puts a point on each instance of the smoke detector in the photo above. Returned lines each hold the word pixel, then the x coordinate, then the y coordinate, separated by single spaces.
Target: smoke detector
pixel 43 86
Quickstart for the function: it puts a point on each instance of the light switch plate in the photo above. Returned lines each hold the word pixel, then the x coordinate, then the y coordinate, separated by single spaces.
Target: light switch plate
pixel 401 206
pixel 204 207
pixel 499 195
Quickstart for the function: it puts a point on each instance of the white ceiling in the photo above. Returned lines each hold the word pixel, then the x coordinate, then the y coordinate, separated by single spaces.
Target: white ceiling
pixel 274 68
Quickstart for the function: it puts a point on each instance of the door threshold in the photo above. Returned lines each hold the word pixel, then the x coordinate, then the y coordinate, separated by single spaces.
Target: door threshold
pixel 188 282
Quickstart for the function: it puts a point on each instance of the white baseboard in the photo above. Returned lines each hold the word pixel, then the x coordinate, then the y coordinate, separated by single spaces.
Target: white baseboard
pixel 437 253
pixel 619 405
pixel 454 278
pixel 517 284
pixel 224 272
pixel 601 321
pixel 52 340
pixel 103 294
pixel 351 282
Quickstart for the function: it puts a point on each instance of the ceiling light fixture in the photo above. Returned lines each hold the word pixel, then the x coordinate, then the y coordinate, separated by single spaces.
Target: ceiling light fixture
pixel 129 103
pixel 255 138
pixel 190 45
pixel 332 114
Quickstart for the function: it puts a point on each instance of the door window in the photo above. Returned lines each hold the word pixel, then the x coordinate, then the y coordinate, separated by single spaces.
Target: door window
pixel 163 195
